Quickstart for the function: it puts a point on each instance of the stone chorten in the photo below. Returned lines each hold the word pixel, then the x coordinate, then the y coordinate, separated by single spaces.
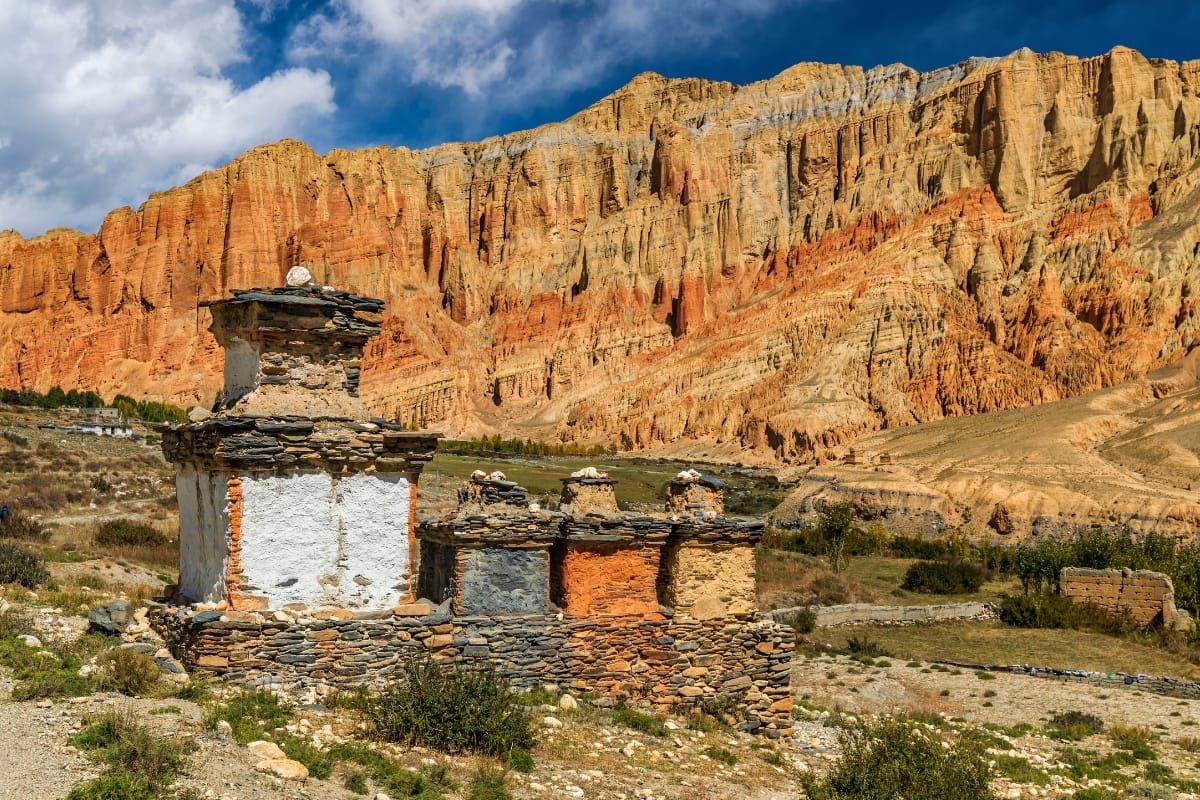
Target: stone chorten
pixel 491 557
pixel 289 493
pixel 708 563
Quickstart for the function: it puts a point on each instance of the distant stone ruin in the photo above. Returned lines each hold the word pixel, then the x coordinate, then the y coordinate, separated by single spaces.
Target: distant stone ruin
pixel 301 563
pixel 1145 597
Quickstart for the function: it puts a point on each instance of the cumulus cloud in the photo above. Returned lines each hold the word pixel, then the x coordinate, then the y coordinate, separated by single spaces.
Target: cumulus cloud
pixel 521 48
pixel 107 100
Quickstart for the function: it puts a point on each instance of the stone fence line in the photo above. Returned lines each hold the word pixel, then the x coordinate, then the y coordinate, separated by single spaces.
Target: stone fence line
pixel 860 613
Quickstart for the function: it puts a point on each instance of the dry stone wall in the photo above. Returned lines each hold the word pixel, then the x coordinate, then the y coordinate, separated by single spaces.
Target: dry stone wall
pixel 665 664
pixel 1143 595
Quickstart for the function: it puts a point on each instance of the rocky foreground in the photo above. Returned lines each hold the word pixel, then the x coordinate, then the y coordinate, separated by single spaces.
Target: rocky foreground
pixel 780 267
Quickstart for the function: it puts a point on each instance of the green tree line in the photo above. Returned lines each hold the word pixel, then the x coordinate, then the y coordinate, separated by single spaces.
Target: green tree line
pixel 57 397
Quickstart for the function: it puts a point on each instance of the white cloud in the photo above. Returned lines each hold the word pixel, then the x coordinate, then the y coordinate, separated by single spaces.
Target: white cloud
pixel 523 48
pixel 106 100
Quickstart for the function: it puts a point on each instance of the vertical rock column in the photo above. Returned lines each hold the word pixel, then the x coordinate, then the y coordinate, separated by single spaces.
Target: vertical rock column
pixel 288 493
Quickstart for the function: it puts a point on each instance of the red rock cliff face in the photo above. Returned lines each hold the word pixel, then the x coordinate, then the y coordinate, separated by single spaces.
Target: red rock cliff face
pixel 783 265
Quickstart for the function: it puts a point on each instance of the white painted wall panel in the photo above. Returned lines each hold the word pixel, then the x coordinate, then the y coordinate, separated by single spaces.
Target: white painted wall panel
pixel 290 538
pixel 203 533
pixel 374 510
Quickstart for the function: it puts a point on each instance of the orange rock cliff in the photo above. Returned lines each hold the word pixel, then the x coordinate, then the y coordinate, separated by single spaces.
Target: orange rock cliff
pixel 780 266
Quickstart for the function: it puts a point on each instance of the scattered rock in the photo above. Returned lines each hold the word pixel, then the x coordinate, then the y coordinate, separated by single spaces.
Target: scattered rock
pixel 111 618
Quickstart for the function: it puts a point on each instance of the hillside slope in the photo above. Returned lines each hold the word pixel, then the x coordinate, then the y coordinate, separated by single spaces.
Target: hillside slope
pixel 780 266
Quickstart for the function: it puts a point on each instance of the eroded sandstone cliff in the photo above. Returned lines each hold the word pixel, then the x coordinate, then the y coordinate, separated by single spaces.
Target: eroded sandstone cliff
pixel 782 266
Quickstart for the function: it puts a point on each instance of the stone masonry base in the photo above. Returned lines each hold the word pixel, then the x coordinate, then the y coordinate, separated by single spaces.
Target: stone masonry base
pixel 665 664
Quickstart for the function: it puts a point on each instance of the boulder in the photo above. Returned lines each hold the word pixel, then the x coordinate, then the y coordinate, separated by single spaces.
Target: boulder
pixel 284 768
pixel 111 618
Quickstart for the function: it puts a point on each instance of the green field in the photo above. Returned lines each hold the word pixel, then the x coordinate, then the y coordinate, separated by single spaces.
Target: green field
pixel 996 643
pixel 640 481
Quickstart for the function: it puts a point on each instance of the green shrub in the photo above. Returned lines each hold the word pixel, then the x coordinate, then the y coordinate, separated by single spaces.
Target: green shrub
pixel 638 721
pixel 1073 725
pixel 488 784
pixel 802 620
pixel 319 762
pixel 196 689
pixel 251 714
pixel 1045 610
pixel 720 755
pixel 19 565
pixel 901 546
pixel 18 526
pixel 113 785
pixel 865 646
pixel 1134 739
pixel 943 577
pixel 129 672
pixel 356 781
pixel 397 781
pixel 15 622
pixel 15 438
pixel 452 710
pixel 139 763
pixel 519 760
pixel 128 533
pixel 894 758
pixel 42 673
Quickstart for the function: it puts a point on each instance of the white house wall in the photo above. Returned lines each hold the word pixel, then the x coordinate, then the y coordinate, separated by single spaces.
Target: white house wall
pixel 203 533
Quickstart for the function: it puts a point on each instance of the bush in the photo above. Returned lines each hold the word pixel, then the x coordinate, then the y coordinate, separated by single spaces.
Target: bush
pixel 397 781
pixel 943 577
pixel 42 673
pixel 645 723
pixel 251 714
pixel 1074 725
pixel 15 622
pixel 865 646
pixel 453 710
pixel 18 526
pixel 139 763
pixel 18 565
pixel 128 533
pixel 802 620
pixel 1044 610
pixel 720 755
pixel 129 672
pixel 1134 739
pixel 895 758
pixel 902 546
pixel 488 784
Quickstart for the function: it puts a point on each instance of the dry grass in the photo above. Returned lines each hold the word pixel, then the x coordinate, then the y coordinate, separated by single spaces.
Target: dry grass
pixel 788 579
pixel 994 643
pixel 791 579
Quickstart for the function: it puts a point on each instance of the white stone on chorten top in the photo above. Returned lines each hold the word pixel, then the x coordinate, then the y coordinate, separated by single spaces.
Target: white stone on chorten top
pixel 299 276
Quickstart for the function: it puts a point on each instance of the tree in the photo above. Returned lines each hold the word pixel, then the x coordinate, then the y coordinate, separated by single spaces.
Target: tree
pixel 834 527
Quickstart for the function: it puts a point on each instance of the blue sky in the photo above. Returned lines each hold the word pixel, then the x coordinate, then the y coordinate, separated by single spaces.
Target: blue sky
pixel 108 100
